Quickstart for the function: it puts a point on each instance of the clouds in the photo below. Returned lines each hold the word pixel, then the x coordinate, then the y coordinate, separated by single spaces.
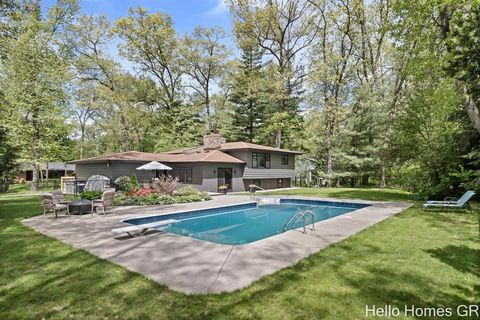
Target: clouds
pixel 219 8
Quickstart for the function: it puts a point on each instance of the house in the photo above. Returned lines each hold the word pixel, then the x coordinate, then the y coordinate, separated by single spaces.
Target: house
pixel 236 164
pixel 49 170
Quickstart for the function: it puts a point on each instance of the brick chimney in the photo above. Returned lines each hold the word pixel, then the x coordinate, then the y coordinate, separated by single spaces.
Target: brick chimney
pixel 212 141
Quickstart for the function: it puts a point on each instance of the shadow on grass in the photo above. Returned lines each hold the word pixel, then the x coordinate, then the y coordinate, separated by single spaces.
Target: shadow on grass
pixel 348 193
pixel 462 258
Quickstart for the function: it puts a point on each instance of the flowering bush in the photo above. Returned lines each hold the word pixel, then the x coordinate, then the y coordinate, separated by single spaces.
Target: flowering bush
pixel 165 185
pixel 147 196
pixel 142 192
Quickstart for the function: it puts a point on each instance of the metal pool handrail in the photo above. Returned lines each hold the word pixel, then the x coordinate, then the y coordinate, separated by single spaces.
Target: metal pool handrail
pixel 299 215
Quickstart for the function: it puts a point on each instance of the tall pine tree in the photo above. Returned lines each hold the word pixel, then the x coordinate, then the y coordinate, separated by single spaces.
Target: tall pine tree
pixel 248 96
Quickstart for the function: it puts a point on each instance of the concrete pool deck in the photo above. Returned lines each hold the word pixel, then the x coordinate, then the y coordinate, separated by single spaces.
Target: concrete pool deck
pixel 195 266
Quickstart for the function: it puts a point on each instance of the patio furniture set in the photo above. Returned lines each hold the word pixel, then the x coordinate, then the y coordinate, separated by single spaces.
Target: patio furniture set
pixel 55 202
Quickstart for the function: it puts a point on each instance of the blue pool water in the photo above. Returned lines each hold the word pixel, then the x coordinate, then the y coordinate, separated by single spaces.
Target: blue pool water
pixel 240 224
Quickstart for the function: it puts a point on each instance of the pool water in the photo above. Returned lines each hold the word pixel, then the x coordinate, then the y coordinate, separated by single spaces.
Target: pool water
pixel 247 223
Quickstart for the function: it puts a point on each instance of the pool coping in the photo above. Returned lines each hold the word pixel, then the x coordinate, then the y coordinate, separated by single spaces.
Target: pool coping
pixel 195 266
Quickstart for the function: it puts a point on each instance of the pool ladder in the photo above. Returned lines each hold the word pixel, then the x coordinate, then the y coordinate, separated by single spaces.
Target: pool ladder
pixel 300 215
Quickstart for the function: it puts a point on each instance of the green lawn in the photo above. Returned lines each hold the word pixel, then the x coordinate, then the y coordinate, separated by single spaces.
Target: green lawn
pixel 419 258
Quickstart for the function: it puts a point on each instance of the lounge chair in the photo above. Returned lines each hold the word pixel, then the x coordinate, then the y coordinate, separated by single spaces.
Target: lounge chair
pixel 106 201
pixel 50 205
pixel 452 203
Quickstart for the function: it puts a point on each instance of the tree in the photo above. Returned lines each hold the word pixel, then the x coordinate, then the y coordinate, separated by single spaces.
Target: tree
pixel 462 59
pixel 331 65
pixel 374 93
pixel 83 108
pixel 284 29
pixel 249 96
pixel 8 157
pixel 204 60
pixel 34 73
pixel 88 38
pixel 151 43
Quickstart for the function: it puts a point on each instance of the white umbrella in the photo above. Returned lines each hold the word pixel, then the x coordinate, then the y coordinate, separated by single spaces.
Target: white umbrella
pixel 154 166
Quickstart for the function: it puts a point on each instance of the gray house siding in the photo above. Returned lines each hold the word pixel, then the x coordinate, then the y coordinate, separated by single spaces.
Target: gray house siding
pixel 275 158
pixel 210 176
pixel 267 183
pixel 240 154
pixel 204 175
pixel 268 173
pixel 276 170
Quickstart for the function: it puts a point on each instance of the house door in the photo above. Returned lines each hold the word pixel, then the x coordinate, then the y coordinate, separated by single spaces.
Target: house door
pixel 225 177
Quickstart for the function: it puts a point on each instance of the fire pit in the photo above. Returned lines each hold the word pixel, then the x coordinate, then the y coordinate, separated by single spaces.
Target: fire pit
pixel 80 206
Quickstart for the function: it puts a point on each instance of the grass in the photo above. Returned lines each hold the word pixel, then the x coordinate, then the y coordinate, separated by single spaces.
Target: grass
pixel 428 259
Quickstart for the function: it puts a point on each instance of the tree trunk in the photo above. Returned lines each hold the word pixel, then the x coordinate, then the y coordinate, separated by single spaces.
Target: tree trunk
pixel 472 110
pixel 36 150
pixel 365 179
pixel 207 109
pixel 82 140
pixel 278 138
pixel 329 164
pixel 35 174
pixel 383 182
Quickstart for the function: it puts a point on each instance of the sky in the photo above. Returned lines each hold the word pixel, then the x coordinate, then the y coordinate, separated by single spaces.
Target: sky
pixel 186 14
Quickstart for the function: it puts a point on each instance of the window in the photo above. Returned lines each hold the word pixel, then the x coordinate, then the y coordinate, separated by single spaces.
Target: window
pixel 280 183
pixel 185 175
pixel 260 160
pixel 284 159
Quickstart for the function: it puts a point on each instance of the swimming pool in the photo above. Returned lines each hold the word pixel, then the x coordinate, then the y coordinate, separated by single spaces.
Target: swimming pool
pixel 249 222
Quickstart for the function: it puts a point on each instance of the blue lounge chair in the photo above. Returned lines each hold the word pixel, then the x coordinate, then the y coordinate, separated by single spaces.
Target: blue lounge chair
pixel 452 203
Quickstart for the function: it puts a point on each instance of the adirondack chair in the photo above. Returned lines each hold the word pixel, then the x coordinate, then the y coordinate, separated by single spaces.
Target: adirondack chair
pixel 105 202
pixel 51 205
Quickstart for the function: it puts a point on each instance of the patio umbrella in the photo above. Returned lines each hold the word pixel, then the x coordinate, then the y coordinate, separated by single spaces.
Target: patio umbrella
pixel 154 166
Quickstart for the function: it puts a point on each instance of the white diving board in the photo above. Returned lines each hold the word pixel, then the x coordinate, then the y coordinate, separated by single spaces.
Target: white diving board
pixel 141 229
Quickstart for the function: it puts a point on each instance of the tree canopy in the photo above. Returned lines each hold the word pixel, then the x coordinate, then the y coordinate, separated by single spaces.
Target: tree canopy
pixel 373 92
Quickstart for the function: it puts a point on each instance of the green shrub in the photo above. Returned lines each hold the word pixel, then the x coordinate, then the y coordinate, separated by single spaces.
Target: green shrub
pixel 187 191
pixel 121 199
pixel 205 195
pixel 134 182
pixel 90 195
pixel 124 183
pixel 187 199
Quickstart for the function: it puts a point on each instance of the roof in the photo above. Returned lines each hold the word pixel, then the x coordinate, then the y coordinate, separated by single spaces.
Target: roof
pixel 198 154
pixel 59 166
pixel 246 145
pixel 52 166
pixel 237 146
pixel 194 156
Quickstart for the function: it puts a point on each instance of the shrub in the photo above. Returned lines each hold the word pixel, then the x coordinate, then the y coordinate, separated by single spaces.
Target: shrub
pixel 91 195
pixel 142 192
pixel 134 182
pixel 187 199
pixel 187 191
pixel 205 195
pixel 165 185
pixel 124 183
